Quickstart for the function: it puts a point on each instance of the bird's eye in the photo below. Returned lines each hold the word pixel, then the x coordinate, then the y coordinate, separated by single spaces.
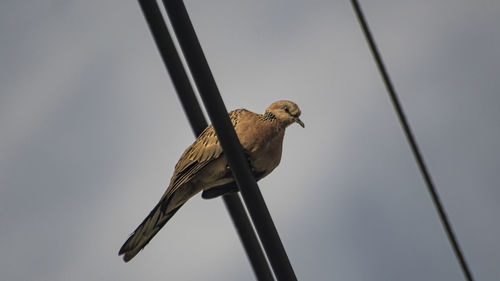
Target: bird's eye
pixel 287 110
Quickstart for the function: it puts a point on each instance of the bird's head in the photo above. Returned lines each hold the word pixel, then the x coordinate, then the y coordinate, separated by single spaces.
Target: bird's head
pixel 287 112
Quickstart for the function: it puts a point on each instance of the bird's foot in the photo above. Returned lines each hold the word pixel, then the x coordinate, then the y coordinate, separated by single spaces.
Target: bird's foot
pixel 219 190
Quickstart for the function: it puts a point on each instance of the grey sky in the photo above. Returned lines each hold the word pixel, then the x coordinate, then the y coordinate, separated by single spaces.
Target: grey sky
pixel 90 130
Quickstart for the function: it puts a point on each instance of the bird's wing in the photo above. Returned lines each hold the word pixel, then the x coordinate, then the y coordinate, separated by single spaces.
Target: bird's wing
pixel 204 150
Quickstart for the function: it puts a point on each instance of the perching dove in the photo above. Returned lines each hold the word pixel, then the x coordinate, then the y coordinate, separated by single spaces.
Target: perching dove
pixel 203 166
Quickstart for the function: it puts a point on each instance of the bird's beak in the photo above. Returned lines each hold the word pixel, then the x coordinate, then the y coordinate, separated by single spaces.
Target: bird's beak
pixel 298 121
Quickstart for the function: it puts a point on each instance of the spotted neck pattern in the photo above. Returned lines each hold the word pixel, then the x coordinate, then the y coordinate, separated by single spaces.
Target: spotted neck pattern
pixel 268 116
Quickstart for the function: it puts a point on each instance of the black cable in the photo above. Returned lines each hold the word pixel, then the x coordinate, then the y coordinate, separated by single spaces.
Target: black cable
pixel 229 141
pixel 413 143
pixel 192 109
pixel 174 65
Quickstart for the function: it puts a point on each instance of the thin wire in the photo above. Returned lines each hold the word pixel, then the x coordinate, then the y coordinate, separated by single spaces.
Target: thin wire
pixel 413 144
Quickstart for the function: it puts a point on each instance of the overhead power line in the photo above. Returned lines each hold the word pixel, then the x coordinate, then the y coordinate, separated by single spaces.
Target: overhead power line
pixel 413 143
pixel 172 61
pixel 215 107
pixel 217 112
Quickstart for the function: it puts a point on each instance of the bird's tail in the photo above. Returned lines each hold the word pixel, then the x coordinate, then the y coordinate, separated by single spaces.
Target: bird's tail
pixel 156 219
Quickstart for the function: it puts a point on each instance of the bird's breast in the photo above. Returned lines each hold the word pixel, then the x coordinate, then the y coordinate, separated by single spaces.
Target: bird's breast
pixel 266 154
pixel 262 141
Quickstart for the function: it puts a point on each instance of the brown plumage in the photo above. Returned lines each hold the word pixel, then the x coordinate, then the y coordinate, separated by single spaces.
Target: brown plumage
pixel 203 166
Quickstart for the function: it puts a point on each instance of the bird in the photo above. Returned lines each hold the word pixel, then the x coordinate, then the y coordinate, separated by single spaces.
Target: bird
pixel 204 167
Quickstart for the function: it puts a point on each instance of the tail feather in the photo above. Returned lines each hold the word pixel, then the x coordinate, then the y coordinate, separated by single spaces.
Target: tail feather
pixel 156 219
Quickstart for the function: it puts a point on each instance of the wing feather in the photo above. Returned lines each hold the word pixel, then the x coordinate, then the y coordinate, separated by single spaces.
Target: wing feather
pixel 204 150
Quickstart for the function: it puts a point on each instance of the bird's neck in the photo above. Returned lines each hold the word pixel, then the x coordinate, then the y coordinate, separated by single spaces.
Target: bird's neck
pixel 268 116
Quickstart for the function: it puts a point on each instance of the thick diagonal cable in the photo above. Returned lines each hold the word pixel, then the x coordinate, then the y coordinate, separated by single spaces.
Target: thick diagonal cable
pixel 413 143
pixel 233 151
pixel 192 109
